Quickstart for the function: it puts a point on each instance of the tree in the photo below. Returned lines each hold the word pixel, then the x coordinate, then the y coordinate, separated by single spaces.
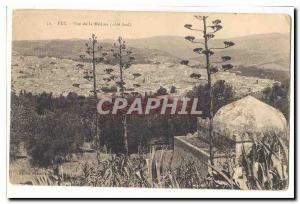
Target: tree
pixel 57 134
pixel 278 97
pixel 92 49
pixel 22 121
pixel 125 59
pixel 223 94
pixel 208 33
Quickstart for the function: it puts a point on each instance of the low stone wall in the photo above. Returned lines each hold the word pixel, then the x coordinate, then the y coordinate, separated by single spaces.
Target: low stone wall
pixel 184 151
pixel 191 148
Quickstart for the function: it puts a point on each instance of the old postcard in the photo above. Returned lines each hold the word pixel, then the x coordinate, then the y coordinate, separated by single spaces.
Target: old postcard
pixel 136 99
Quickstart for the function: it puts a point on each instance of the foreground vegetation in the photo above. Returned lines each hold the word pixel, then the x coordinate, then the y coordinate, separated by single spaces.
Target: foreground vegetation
pixel 53 127
pixel 263 166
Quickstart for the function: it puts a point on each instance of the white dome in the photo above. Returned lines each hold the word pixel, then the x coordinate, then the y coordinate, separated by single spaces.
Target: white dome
pixel 249 115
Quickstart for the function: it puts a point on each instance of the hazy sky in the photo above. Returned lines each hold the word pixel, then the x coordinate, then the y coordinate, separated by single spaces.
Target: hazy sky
pixel 66 24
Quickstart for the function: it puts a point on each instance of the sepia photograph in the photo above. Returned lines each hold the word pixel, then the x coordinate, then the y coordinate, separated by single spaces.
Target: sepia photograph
pixel 150 99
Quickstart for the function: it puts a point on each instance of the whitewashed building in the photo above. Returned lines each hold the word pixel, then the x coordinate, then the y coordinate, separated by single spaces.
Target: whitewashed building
pixel 234 124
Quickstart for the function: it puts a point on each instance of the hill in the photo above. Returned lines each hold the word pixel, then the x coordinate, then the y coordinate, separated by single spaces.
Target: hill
pixel 72 49
pixel 264 51
pixel 264 56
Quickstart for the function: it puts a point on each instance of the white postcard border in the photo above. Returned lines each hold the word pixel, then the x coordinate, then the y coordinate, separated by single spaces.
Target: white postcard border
pixel 19 191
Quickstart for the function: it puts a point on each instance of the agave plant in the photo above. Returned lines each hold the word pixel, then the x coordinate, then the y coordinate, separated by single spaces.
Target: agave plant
pixel 51 179
pixel 263 167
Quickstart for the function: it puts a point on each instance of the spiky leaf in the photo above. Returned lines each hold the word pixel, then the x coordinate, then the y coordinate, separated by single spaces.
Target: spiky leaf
pixel 228 43
pixel 198 50
pixel 190 38
pixel 188 26
pixel 208 52
pixel 216 27
pixel 209 36
pixel 217 21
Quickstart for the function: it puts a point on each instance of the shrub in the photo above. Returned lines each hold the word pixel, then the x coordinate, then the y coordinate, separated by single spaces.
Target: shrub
pixel 278 97
pixel 161 91
pixel 222 94
pixel 57 135
pixel 59 126
pixel 173 89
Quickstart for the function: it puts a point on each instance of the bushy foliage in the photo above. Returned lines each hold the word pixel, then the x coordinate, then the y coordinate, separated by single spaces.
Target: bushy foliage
pixel 222 94
pixel 55 139
pixel 50 127
pixel 161 91
pixel 278 97
pixel 173 89
pixel 22 124
pixel 53 127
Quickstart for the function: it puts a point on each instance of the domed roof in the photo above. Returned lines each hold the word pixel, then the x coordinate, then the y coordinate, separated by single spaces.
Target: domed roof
pixel 248 116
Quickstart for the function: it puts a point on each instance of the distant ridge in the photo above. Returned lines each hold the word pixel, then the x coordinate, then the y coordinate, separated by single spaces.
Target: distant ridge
pixel 266 51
